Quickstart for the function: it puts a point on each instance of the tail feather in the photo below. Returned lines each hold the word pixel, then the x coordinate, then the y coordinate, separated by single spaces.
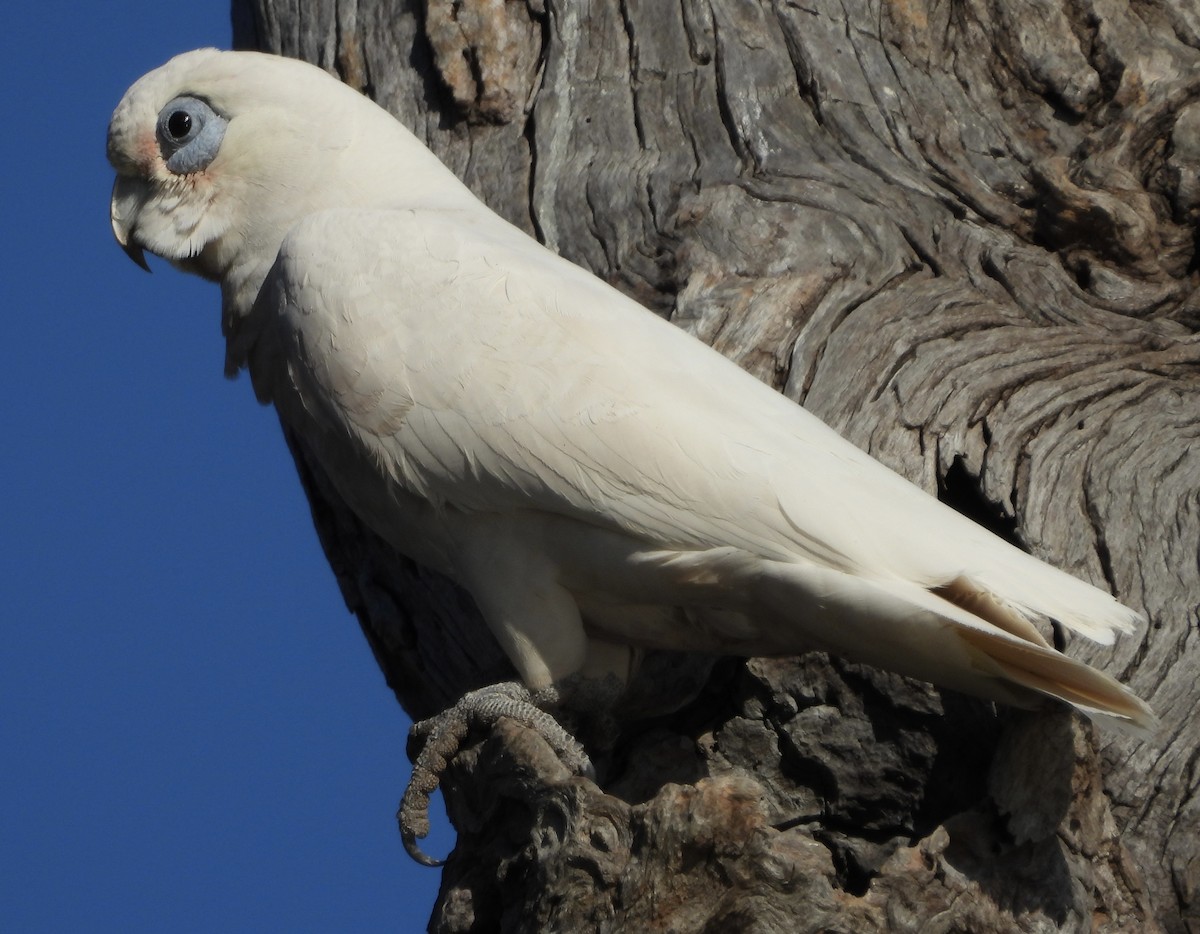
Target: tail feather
pixel 962 592
pixel 1056 675
pixel 1031 588
pixel 959 636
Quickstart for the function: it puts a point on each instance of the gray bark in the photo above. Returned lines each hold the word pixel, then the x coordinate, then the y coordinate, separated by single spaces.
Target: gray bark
pixel 964 234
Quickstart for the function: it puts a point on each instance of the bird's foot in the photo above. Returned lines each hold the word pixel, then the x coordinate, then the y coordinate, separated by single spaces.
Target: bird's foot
pixel 443 736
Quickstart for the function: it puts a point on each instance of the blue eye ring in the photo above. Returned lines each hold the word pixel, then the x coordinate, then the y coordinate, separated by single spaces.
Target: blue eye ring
pixel 189 133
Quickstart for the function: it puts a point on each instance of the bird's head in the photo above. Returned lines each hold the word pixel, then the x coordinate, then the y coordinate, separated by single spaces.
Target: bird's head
pixel 218 154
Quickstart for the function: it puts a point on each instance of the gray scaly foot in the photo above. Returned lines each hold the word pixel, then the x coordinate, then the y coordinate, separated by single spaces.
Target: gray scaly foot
pixel 445 732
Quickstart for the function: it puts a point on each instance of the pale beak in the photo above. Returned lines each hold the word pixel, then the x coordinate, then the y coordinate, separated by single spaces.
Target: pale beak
pixel 127 198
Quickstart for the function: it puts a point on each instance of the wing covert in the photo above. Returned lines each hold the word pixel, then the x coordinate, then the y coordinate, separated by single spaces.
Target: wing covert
pixel 487 374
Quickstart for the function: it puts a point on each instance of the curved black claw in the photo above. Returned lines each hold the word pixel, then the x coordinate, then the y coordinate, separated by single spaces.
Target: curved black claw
pixel 444 735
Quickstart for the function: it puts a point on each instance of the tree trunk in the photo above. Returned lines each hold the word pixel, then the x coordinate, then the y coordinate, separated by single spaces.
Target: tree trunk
pixel 961 232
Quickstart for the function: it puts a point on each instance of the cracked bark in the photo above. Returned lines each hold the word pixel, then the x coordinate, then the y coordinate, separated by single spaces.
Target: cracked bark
pixel 962 233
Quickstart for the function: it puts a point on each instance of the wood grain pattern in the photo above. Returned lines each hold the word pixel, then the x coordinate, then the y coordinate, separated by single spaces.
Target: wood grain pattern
pixel 963 233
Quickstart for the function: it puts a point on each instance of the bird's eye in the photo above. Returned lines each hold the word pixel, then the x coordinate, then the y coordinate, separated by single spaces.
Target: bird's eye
pixel 179 124
pixel 189 134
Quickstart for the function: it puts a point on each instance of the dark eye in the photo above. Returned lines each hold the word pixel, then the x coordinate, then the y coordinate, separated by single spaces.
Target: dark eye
pixel 189 134
pixel 179 124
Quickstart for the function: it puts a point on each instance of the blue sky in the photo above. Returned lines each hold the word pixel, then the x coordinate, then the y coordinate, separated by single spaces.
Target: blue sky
pixel 193 733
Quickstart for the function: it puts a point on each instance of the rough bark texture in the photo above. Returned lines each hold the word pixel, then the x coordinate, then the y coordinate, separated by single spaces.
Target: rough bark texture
pixel 964 233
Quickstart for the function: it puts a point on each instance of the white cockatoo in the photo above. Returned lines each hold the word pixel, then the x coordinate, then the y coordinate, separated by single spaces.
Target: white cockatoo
pixel 594 477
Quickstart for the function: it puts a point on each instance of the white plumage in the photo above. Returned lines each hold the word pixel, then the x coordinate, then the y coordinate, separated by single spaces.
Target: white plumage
pixel 580 466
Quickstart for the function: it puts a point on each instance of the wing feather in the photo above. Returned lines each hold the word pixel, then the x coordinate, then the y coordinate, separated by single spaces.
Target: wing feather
pixel 492 375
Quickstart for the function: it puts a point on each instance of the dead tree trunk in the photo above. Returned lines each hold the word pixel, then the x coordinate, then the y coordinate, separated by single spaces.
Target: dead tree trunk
pixel 964 233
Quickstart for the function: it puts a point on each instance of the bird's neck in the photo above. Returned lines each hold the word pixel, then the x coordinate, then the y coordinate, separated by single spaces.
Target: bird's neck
pixel 379 165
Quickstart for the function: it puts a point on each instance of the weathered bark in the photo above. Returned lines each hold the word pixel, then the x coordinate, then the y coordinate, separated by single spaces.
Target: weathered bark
pixel 963 233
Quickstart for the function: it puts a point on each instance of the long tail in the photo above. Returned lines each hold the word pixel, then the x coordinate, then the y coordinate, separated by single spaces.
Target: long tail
pixel 960 635
pixel 1055 675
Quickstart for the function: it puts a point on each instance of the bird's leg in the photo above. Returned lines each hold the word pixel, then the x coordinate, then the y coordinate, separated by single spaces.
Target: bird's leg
pixel 444 733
